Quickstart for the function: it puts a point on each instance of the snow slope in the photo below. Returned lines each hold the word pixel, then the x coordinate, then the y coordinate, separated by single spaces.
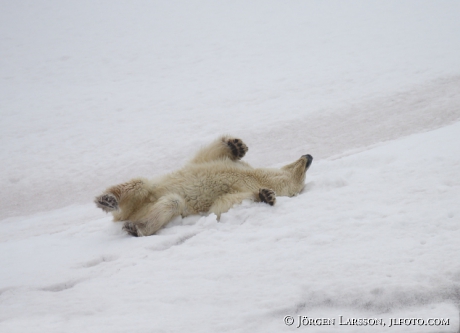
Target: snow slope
pixel 93 93
pixel 375 232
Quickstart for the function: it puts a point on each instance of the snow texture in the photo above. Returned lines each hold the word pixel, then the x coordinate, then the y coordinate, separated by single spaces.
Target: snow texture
pixel 93 93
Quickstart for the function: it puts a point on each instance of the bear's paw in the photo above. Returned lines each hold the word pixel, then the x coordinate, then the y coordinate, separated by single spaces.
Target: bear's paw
pixel 238 148
pixel 131 229
pixel 107 202
pixel 268 196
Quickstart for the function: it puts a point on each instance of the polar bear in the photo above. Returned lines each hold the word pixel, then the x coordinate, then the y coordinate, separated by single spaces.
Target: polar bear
pixel 212 182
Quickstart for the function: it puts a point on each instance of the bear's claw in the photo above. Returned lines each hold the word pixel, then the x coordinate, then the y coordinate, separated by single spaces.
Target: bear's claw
pixel 131 229
pixel 107 202
pixel 237 147
pixel 267 196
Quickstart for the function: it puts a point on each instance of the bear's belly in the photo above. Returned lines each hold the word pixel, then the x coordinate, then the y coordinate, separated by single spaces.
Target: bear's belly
pixel 201 191
pixel 201 195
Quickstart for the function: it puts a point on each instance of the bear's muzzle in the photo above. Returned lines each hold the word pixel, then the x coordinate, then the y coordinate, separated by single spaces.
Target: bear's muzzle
pixel 309 159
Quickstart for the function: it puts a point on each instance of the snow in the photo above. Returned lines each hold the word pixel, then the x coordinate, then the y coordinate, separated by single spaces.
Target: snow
pixel 94 93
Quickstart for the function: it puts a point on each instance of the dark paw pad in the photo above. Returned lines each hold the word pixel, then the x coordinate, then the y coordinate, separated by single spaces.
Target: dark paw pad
pixel 267 196
pixel 237 147
pixel 131 229
pixel 107 202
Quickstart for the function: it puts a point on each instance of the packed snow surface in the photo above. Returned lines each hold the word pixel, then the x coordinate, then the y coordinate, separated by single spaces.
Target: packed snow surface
pixel 93 93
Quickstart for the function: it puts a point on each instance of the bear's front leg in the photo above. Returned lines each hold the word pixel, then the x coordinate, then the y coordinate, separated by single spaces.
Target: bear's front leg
pixel 224 147
pixel 223 203
pixel 268 196
pixel 158 215
pixel 237 147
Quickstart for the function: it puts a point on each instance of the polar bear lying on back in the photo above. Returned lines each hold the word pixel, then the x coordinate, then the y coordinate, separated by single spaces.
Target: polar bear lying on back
pixel 212 182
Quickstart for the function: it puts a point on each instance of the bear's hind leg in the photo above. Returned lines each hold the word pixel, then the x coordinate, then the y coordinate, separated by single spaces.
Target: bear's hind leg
pixel 123 198
pixel 225 146
pixel 159 214
pixel 107 202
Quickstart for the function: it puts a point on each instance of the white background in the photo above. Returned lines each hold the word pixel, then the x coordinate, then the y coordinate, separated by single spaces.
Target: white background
pixel 93 93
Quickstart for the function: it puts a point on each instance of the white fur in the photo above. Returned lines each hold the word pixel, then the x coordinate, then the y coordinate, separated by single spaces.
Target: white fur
pixel 212 182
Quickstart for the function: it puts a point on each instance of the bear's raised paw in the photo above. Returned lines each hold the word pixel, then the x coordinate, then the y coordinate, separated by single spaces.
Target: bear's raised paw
pixel 107 202
pixel 268 196
pixel 238 148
